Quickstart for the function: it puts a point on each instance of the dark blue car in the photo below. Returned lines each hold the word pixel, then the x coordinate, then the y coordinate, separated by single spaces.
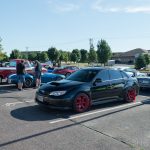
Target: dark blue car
pixel 30 80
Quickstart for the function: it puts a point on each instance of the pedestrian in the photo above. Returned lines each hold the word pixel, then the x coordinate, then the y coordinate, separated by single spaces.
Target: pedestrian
pixel 20 70
pixel 38 70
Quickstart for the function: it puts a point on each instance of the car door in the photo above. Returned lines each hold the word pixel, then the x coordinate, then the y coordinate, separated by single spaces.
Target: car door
pixel 101 90
pixel 117 83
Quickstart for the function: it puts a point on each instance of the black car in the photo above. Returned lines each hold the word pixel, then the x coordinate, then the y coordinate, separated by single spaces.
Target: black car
pixel 87 87
pixel 144 81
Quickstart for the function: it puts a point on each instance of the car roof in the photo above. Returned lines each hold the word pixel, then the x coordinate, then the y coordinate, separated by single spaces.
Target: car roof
pixel 98 68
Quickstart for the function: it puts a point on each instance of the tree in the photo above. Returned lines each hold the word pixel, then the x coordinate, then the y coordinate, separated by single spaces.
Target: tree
pixel 15 54
pixel 147 59
pixel 103 52
pixel 69 56
pixel 84 55
pixel 73 57
pixel 66 57
pixel 3 56
pixel 140 62
pixel 43 56
pixel 53 54
pixel 78 55
pixel 61 57
pixel 32 56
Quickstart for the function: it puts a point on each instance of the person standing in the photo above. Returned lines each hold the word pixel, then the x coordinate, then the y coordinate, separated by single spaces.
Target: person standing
pixel 38 70
pixel 20 70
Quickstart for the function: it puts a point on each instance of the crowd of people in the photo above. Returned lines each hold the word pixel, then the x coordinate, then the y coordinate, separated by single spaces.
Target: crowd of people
pixel 20 71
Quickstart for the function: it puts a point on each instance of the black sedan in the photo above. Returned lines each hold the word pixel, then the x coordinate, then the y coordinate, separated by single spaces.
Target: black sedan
pixel 144 81
pixel 87 87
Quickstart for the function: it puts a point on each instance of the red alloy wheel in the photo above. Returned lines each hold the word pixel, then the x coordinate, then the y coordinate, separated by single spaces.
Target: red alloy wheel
pixel 81 103
pixel 131 95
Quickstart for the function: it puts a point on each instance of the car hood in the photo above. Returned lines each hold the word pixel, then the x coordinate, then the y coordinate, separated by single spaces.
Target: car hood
pixel 52 75
pixel 60 85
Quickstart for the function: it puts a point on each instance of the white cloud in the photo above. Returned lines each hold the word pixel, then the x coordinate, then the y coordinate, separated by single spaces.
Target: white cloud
pixel 107 6
pixel 67 7
pixel 59 6
pixel 138 9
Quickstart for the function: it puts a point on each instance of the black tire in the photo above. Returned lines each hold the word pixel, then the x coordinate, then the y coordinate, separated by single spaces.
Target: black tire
pixel 68 74
pixel 1 79
pixel 81 103
pixel 130 95
pixel 28 83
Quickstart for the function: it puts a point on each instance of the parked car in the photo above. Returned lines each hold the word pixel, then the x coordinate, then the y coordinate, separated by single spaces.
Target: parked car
pixel 30 80
pixel 65 70
pixel 48 67
pixel 130 71
pixel 87 87
pixel 11 69
pixel 144 81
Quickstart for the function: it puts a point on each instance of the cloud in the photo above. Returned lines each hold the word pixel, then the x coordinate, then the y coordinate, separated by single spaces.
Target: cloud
pixel 67 7
pixel 60 7
pixel 143 9
pixel 115 6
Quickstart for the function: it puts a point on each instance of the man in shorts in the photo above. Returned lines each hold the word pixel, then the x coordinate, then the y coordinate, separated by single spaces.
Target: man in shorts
pixel 20 70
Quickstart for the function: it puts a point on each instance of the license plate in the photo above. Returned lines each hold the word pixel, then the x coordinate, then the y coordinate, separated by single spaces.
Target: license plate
pixel 145 82
pixel 9 81
pixel 40 98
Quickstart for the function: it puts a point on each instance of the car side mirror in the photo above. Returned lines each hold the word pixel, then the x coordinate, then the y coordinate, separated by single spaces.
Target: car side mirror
pixel 98 80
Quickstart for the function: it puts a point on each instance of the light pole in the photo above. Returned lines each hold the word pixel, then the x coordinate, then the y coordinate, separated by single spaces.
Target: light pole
pixel 27 51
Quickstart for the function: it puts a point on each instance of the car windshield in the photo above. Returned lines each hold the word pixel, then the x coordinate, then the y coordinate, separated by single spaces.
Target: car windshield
pixel 83 75
pixel 12 64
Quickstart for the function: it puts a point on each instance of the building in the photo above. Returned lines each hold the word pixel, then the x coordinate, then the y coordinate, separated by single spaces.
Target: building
pixel 128 57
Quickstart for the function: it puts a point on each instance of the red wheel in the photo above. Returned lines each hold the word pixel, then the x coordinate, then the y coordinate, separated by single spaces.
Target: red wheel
pixel 81 102
pixel 131 95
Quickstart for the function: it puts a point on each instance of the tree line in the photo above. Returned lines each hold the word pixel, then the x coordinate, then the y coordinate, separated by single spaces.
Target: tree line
pixel 142 61
pixel 99 55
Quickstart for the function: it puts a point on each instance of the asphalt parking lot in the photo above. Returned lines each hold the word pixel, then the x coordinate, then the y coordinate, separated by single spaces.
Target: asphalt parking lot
pixel 114 126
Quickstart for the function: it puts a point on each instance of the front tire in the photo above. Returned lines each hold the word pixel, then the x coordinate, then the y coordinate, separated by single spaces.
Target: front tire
pixel 130 95
pixel 81 103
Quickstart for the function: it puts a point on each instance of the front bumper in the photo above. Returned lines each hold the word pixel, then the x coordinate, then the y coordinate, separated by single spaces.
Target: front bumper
pixel 53 102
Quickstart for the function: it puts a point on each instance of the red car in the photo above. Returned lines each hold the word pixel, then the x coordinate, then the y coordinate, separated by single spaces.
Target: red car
pixel 6 71
pixel 65 70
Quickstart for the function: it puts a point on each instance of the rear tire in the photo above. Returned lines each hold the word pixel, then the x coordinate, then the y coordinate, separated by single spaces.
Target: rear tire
pixel 81 103
pixel 28 83
pixel 1 79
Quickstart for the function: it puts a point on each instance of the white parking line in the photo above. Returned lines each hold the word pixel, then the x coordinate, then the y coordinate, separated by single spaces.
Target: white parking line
pixel 15 103
pixel 92 113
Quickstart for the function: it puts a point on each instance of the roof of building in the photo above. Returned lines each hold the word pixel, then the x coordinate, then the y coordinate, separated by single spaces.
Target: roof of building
pixel 131 53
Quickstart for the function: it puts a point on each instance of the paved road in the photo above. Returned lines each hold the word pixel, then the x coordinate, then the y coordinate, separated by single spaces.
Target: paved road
pixel 114 126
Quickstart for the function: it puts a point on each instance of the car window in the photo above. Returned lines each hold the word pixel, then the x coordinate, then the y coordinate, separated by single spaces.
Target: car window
pixel 124 75
pixel 83 75
pixel 115 74
pixel 12 64
pixel 103 75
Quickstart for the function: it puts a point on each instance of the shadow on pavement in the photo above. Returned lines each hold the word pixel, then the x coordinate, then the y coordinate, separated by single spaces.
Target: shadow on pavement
pixel 144 92
pixel 7 88
pixel 38 113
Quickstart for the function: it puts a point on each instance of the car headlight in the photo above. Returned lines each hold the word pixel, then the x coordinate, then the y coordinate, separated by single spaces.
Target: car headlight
pixel 57 93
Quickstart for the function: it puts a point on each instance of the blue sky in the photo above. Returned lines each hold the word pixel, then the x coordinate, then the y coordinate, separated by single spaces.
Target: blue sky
pixel 68 24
